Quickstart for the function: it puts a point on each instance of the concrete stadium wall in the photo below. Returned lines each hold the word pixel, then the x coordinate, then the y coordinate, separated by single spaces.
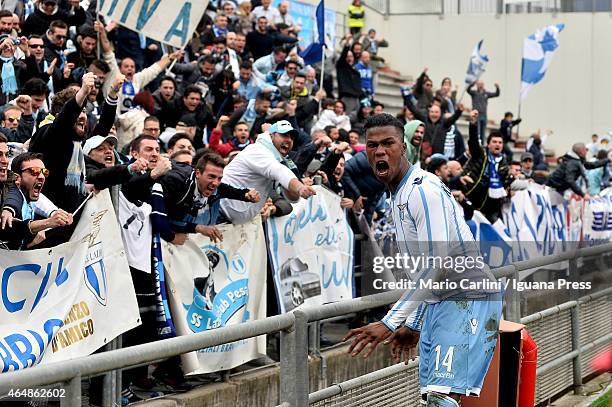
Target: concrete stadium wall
pixel 574 99
pixel 260 387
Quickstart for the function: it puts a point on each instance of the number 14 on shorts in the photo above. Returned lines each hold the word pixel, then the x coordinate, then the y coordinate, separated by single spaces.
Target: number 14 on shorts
pixel 444 362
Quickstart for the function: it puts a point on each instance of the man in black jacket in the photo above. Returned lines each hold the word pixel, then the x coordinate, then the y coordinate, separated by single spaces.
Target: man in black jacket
pixel 55 43
pixel 38 22
pixel 486 176
pixel 436 124
pixel 571 169
pixel 21 203
pixel 60 137
pixel 186 200
pixel 505 128
pixel 349 80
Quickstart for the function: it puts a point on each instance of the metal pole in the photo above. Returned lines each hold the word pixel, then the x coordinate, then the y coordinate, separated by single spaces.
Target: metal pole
pixel 118 372
pixel 513 299
pixel 109 381
pixel 576 368
pixel 294 362
pixel 73 393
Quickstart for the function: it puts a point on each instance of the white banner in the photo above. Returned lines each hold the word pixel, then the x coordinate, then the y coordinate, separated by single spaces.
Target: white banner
pixel 537 223
pixel 312 252
pixel 597 220
pixel 215 285
pixel 170 22
pixel 70 300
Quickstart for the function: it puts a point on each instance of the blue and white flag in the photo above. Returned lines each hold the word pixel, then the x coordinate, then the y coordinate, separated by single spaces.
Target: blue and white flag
pixel 314 52
pixel 538 51
pixel 477 65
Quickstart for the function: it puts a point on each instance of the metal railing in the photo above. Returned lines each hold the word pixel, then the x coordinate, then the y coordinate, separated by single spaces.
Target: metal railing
pixel 565 352
pixel 293 328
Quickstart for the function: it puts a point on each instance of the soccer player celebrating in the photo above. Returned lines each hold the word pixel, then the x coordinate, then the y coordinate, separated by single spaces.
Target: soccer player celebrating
pixel 457 328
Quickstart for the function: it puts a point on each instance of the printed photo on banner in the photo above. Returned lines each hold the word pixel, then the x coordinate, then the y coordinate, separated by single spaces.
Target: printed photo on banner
pixel 312 253
pixel 213 285
pixel 63 303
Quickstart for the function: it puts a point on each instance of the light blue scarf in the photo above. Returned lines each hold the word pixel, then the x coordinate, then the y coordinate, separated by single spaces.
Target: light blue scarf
pixel 265 140
pixel 75 174
pixel 9 81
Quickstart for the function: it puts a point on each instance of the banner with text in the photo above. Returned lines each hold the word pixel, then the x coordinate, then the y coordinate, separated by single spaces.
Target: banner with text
pixel 64 302
pixel 170 22
pixel 312 252
pixel 597 219
pixel 215 285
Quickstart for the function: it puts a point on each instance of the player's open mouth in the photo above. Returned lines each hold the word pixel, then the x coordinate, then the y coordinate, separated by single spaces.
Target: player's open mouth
pixel 3 170
pixel 108 159
pixel 382 168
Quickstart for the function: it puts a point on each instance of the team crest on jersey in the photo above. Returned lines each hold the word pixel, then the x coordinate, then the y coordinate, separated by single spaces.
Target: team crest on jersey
pixel 401 208
pixel 417 181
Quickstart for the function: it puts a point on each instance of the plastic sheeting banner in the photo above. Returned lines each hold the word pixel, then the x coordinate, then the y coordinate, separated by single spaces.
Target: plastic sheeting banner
pixel 312 252
pixel 64 302
pixel 215 285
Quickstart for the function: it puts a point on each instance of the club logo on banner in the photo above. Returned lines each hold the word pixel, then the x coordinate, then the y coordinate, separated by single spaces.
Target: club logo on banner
pixel 214 285
pixel 62 303
pixel 312 252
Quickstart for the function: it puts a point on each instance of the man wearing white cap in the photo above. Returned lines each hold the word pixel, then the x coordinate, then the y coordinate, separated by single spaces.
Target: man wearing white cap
pixel 263 166
pixel 100 160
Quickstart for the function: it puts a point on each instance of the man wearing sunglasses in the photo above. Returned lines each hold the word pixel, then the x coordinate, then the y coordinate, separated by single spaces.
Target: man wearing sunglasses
pixel 26 201
pixel 17 120
pixel 47 11
pixel 55 43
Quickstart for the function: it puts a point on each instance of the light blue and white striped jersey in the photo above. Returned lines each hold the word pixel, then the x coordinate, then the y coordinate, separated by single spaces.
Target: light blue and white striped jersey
pixel 429 224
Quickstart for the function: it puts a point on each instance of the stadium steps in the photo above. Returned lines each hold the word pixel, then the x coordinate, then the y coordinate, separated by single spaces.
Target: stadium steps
pixel 387 88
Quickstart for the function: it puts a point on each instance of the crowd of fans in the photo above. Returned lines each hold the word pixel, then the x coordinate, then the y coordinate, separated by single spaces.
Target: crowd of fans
pixel 232 127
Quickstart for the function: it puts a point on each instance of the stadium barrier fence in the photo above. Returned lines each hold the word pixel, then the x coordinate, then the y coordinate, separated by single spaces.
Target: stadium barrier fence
pixel 568 335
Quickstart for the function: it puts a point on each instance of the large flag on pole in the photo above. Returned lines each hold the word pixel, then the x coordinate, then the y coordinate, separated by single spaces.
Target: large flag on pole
pixel 477 65
pixel 538 51
pixel 314 52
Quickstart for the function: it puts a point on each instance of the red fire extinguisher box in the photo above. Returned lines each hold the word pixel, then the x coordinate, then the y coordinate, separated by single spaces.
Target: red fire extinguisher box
pixel 501 384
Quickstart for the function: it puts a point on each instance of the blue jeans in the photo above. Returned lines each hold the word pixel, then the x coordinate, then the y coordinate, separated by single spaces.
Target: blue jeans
pixel 482 128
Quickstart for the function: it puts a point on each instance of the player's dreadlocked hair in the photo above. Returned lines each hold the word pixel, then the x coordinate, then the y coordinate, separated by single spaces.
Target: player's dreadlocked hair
pixel 384 120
